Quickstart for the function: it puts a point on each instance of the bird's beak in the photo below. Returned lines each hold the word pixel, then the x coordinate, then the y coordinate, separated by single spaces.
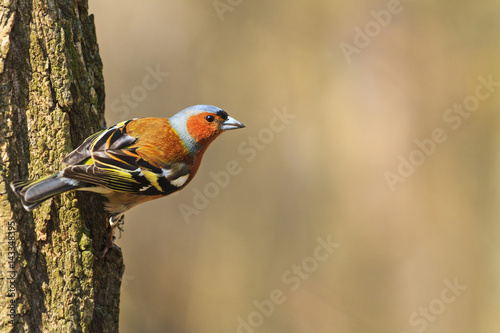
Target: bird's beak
pixel 231 123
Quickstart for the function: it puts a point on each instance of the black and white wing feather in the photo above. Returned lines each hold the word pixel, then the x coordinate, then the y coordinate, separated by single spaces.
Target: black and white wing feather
pixel 109 159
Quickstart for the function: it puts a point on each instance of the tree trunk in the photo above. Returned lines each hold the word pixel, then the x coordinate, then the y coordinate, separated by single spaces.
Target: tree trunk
pixel 52 97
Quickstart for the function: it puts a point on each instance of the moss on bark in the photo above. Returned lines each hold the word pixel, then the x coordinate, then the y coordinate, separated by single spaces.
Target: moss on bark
pixel 52 97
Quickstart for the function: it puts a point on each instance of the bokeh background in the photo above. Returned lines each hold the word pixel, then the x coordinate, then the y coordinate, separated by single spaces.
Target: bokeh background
pixel 321 172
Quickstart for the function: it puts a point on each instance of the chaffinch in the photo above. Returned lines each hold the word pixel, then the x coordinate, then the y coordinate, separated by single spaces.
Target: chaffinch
pixel 134 161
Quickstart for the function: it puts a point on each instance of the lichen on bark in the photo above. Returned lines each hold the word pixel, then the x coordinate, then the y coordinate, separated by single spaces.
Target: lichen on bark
pixel 52 97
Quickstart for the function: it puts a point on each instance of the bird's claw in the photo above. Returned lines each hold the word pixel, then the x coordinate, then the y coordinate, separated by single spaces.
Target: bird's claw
pixel 114 222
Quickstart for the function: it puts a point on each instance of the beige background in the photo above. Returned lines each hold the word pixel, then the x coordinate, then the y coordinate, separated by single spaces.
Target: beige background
pixel 321 175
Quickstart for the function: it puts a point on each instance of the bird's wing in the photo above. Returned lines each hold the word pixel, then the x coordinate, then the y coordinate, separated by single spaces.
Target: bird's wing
pixel 115 136
pixel 107 159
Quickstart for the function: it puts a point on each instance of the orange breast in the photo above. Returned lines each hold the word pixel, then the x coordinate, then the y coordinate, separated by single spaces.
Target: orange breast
pixel 157 142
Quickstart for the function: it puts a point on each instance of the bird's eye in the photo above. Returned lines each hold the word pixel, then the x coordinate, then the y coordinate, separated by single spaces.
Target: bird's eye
pixel 210 118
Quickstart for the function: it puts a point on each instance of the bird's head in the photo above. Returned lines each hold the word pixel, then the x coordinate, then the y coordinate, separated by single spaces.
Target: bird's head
pixel 199 125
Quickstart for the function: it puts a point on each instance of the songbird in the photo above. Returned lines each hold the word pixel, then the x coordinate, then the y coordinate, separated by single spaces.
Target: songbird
pixel 134 161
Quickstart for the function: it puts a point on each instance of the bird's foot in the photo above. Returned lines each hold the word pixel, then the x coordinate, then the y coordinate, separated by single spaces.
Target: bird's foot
pixel 114 221
pixel 109 244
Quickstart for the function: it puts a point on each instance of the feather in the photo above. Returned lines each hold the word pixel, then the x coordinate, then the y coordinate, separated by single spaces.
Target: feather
pixel 111 159
pixel 115 137
pixel 134 161
pixel 34 192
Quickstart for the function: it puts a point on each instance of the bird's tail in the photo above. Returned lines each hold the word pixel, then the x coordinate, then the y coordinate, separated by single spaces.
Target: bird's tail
pixel 34 192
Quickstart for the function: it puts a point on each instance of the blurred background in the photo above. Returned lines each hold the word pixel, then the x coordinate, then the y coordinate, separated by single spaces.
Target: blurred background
pixel 364 194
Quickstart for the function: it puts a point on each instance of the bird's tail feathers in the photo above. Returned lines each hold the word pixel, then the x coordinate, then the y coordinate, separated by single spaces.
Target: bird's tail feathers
pixel 34 192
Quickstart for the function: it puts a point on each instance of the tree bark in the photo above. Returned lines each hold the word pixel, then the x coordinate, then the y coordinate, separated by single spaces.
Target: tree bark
pixel 52 98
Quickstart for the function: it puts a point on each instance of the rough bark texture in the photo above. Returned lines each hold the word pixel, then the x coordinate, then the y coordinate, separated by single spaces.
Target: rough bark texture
pixel 52 97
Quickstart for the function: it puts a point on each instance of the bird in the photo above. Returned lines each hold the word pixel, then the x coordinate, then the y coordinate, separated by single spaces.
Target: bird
pixel 134 161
